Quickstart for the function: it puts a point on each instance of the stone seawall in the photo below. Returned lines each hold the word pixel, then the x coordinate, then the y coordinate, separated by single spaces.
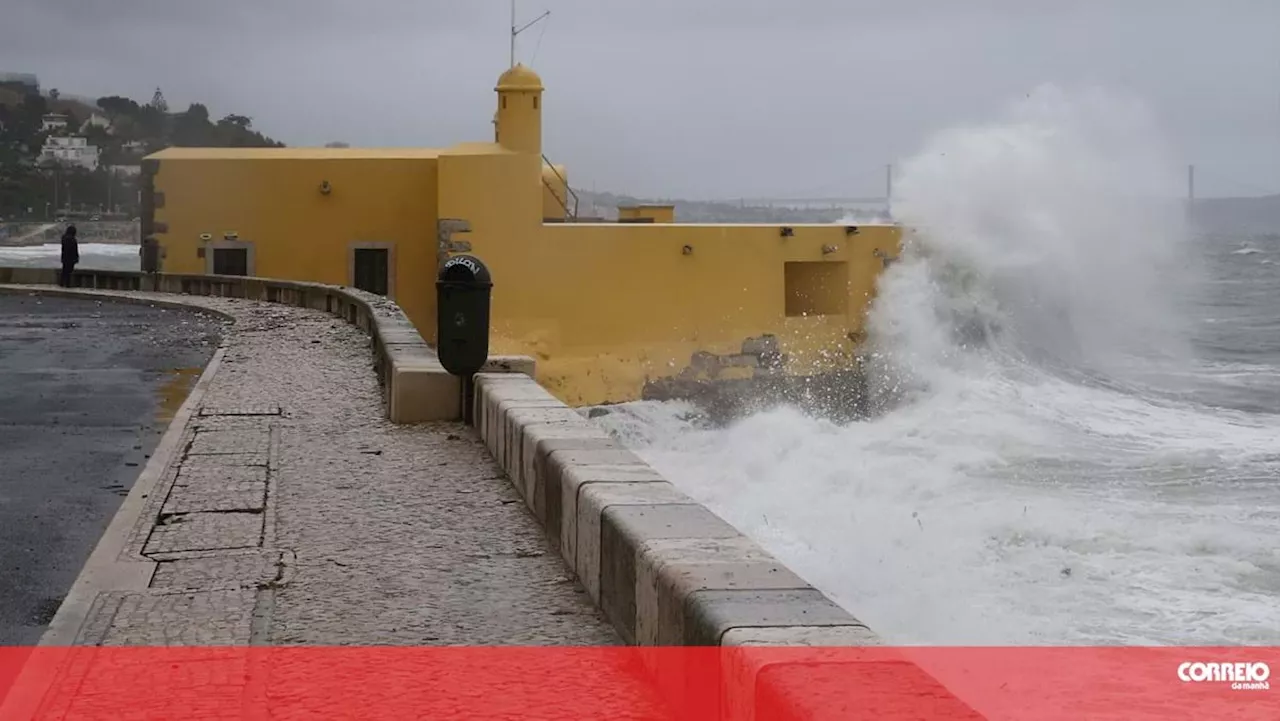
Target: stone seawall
pixel 667 571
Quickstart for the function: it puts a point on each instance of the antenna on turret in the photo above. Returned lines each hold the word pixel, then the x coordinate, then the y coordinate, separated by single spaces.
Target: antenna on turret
pixel 516 31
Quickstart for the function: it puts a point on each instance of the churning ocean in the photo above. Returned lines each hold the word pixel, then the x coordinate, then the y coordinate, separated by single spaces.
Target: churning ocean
pixel 1078 439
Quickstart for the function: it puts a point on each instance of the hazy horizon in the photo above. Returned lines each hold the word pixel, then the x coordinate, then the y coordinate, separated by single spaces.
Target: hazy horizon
pixel 717 100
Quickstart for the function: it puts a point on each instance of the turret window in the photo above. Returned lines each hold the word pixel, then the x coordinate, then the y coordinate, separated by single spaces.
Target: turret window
pixel 535 102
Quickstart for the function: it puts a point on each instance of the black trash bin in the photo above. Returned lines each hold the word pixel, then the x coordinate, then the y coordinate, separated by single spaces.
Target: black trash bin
pixel 463 290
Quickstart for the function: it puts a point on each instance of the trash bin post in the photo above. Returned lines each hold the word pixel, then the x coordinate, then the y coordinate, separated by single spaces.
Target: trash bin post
pixel 463 291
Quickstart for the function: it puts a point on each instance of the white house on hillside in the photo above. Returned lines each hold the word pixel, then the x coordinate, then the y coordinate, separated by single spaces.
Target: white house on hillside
pixel 96 121
pixel 72 151
pixel 53 122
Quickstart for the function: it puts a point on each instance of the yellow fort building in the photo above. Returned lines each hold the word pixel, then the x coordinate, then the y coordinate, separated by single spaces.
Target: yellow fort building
pixel 612 312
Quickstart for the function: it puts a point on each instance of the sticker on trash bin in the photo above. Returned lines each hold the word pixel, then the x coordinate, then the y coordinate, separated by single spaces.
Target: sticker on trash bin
pixel 465 262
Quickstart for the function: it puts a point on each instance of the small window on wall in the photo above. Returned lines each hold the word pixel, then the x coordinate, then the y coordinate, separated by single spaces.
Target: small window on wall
pixel 817 288
pixel 535 102
pixel 371 270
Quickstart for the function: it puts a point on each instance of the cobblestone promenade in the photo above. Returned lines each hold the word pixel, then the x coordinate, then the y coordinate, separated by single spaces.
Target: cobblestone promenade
pixel 293 513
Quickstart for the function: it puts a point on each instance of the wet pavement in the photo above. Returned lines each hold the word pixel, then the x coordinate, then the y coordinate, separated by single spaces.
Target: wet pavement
pixel 292 512
pixel 86 390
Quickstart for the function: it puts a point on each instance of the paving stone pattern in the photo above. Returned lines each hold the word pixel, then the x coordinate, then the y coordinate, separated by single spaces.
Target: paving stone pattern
pixel 297 514
pixel 398 535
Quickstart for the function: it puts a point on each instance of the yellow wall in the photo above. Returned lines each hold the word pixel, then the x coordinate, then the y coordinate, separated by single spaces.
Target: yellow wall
pixel 603 307
pixel 655 213
pixel 273 201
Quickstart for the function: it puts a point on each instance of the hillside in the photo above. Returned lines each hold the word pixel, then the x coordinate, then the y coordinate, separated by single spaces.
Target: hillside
pixel 13 99
pixel 35 187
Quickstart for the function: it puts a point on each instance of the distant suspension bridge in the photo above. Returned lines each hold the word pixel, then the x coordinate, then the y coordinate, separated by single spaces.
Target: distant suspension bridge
pixel 883 202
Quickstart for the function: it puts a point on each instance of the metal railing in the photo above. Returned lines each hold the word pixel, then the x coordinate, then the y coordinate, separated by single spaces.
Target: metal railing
pixel 570 211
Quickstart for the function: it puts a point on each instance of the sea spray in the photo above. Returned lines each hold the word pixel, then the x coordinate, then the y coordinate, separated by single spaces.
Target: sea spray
pixel 1044 276
pixel 1053 236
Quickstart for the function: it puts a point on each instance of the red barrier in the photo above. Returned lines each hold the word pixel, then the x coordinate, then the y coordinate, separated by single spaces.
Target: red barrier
pixel 740 683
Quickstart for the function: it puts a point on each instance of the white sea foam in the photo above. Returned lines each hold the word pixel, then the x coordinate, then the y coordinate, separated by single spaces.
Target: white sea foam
pixel 1030 479
pixel 101 256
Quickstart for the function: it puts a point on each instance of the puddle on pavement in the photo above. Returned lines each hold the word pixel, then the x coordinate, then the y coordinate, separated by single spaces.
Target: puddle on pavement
pixel 177 384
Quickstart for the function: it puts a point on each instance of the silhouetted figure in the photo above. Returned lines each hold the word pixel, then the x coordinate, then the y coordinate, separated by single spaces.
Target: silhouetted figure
pixel 70 256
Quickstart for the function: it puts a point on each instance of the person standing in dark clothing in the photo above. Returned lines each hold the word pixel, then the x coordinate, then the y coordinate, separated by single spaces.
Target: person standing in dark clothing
pixel 70 256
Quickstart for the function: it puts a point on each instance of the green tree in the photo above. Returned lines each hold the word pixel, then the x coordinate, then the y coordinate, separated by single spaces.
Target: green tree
pixel 197 113
pixel 34 108
pixel 114 105
pixel 154 123
pixel 238 121
pixel 192 129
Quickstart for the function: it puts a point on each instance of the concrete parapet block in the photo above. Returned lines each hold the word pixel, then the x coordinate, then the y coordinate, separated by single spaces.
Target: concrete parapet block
pixel 484 408
pixel 521 364
pixel 710 614
pixel 624 532
pixel 422 391
pixel 497 393
pixel 521 423
pixel 670 573
pixel 493 418
pixel 566 475
pixel 546 485
pixel 538 441
pixel 399 335
pixel 256 289
pixel 29 276
pixel 585 542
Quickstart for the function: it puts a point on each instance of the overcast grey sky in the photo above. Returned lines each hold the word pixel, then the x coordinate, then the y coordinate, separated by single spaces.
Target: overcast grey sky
pixel 689 98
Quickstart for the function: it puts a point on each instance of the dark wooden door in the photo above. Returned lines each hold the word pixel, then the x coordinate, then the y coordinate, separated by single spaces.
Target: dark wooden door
pixel 371 270
pixel 231 261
